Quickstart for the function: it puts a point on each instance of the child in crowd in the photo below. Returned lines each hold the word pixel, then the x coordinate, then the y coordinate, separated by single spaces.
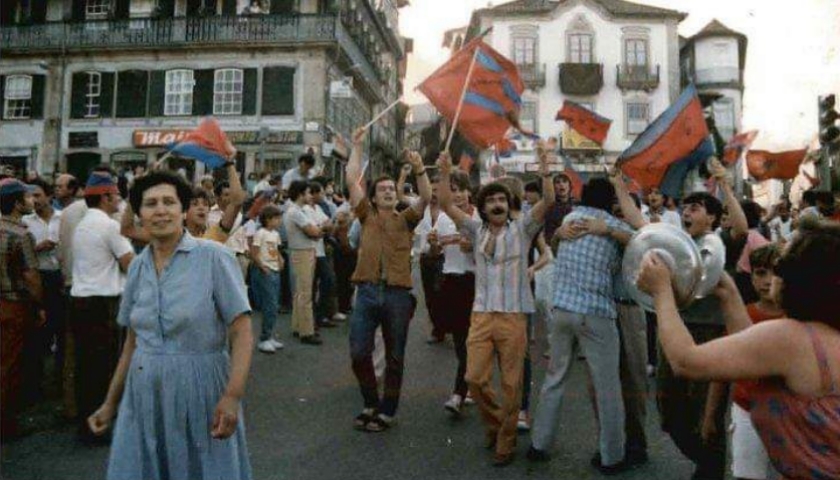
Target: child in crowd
pixel 265 253
pixel 749 457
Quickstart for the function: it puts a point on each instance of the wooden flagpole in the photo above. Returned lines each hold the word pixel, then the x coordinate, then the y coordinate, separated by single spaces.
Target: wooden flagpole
pixel 381 114
pixel 461 101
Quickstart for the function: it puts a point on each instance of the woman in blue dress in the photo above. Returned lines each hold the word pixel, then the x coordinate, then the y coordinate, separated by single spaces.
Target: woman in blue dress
pixel 177 387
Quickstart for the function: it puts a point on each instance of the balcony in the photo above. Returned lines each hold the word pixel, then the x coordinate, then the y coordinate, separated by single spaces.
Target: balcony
pixel 533 75
pixel 581 78
pixel 637 77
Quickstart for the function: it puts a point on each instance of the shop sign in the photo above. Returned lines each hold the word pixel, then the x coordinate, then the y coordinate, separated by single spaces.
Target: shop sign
pixel 162 138
pixel 83 139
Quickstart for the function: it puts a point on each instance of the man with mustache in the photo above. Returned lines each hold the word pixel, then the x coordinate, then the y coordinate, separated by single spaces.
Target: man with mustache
pixel 503 298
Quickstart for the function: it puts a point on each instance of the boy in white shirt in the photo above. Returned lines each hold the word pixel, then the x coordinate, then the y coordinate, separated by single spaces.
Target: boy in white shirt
pixel 265 280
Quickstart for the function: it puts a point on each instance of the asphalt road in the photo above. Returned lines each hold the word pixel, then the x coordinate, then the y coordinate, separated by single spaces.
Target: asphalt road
pixel 299 409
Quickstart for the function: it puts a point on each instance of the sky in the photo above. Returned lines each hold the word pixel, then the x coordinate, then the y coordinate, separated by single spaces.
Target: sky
pixel 793 55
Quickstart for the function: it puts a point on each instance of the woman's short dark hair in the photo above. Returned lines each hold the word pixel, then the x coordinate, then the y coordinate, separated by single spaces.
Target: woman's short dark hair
pixel 810 270
pixel 598 193
pixel 488 191
pixel 709 202
pixel 199 193
pixel 752 211
pixel 268 212
pixel 297 188
pixel 155 178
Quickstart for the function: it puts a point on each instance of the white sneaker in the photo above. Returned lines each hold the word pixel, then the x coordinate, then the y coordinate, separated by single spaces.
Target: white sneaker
pixel 468 400
pixel 277 344
pixel 453 405
pixel 339 317
pixel 523 423
pixel 266 347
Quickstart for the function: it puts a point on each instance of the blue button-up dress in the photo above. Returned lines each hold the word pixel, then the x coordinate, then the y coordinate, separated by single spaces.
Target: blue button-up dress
pixel 180 367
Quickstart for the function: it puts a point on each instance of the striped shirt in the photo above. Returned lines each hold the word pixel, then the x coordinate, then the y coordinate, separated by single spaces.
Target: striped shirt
pixel 501 280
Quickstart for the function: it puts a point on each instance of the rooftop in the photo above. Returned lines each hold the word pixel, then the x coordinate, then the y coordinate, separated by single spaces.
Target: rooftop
pixel 618 8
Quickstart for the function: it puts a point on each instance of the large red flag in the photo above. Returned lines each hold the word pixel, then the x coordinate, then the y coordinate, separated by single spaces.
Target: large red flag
pixel 585 121
pixel 764 165
pixel 737 145
pixel 492 100
pixel 673 136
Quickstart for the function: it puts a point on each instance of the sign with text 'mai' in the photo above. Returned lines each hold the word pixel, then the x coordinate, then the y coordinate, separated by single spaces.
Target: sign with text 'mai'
pixel 162 138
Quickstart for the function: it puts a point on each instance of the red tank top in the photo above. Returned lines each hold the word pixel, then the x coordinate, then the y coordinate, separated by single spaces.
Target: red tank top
pixel 801 433
pixel 742 390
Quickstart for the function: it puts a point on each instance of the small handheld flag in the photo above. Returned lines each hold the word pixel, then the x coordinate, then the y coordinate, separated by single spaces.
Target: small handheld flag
pixel 207 143
pixel 585 121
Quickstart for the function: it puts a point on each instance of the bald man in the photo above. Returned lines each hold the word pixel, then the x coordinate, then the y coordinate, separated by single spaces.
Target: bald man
pixel 66 188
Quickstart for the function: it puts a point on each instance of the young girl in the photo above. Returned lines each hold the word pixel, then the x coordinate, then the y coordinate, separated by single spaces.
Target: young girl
pixel 265 252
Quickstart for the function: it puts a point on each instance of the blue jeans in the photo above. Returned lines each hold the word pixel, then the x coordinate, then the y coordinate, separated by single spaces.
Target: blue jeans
pixel 267 296
pixel 392 308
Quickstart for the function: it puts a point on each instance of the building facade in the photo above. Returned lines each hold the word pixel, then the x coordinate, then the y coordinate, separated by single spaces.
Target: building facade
pixel 617 58
pixel 85 82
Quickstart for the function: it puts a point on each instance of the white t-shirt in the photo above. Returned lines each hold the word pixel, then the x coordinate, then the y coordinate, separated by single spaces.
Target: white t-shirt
pixel 97 247
pixel 318 217
pixel 41 230
pixel 293 175
pixel 667 216
pixel 294 220
pixel 455 261
pixel 421 232
pixel 268 242
pixel 780 229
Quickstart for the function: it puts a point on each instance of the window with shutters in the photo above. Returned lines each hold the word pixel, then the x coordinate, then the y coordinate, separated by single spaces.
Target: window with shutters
pixel 524 50
pixel 635 52
pixel 580 48
pixel 227 92
pixel 17 103
pixel 528 116
pixel 97 9
pixel 93 94
pixel 638 117
pixel 179 92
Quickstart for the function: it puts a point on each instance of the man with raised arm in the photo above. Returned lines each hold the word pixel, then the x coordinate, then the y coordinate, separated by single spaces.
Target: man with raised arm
pixel 503 298
pixel 383 283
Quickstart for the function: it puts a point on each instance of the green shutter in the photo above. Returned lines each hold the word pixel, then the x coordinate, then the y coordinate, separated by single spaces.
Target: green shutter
pixel 77 96
pixel 132 88
pixel 2 96
pixel 106 95
pixel 229 8
pixel 282 7
pixel 157 93
pixel 278 97
pixel 249 91
pixel 203 93
pixel 78 12
pixel 39 11
pixel 38 92
pixel 121 9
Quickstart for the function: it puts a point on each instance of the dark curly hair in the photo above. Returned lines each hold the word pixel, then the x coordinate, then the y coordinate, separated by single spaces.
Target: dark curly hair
pixel 709 202
pixel 810 270
pixel 487 191
pixel 153 179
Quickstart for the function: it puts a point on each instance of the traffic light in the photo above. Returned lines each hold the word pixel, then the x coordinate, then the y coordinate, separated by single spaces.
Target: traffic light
pixel 828 116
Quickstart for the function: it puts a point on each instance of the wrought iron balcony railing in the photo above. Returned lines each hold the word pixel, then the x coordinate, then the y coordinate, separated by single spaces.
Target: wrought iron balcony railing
pixel 637 77
pixel 533 74
pixel 581 78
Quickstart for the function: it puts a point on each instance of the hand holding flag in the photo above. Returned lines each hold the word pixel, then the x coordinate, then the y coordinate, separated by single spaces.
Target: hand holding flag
pixel 207 144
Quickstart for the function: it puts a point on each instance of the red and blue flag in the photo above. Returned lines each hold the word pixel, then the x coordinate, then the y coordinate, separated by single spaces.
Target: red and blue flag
pixel 207 143
pixel 585 121
pixel 737 145
pixel 493 97
pixel 673 137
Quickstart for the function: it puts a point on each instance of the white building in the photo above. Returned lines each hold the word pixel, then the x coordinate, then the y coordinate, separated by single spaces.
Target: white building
pixel 714 59
pixel 618 58
pixel 84 82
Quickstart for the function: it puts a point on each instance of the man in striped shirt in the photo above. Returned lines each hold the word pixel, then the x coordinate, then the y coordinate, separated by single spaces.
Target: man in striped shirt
pixel 502 298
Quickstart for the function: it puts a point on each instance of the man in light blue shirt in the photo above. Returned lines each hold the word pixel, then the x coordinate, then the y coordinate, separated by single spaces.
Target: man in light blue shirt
pixel 584 313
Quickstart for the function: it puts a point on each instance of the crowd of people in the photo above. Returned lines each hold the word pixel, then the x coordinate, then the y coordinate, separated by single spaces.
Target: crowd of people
pixel 140 290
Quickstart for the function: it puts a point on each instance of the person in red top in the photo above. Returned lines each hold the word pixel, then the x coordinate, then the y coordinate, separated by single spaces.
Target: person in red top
pixel 795 406
pixel 749 457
